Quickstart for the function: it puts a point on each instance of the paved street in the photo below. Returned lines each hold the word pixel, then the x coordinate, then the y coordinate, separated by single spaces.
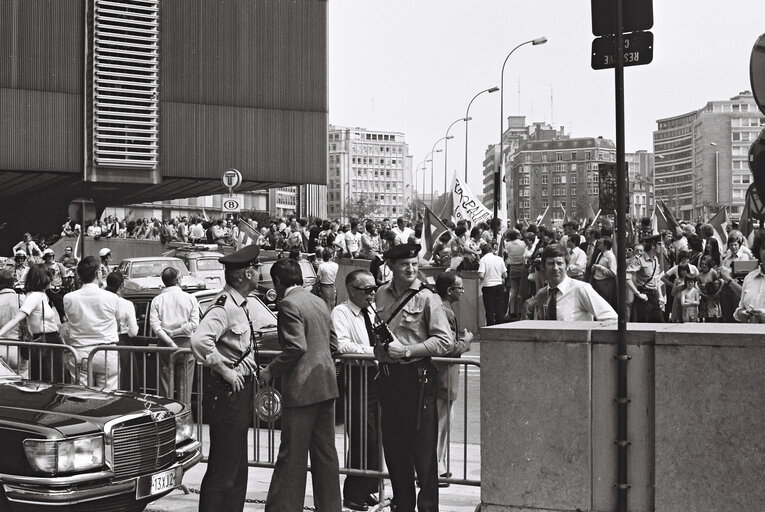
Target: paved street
pixel 456 498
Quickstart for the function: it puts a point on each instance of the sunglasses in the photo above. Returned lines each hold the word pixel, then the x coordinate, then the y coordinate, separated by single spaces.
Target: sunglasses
pixel 366 289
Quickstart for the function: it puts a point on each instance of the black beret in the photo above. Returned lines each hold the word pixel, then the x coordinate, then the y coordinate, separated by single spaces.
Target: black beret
pixel 402 251
pixel 244 257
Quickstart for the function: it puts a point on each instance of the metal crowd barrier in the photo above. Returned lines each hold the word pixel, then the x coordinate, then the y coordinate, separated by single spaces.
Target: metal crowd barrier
pixel 139 371
pixel 47 362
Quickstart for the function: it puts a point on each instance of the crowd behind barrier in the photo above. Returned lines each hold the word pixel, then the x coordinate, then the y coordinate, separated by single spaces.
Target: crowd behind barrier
pixel 139 372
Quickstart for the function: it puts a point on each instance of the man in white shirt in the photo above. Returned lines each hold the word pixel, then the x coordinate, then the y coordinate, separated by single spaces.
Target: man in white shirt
pixel 174 315
pixel 127 327
pixel 577 262
pixel 604 272
pixel 197 232
pixel 92 314
pixel 492 271
pixel 564 298
pixel 352 321
pixel 353 240
pixel 402 232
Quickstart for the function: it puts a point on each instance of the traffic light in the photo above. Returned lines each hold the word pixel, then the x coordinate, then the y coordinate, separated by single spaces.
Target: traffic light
pixel 757 78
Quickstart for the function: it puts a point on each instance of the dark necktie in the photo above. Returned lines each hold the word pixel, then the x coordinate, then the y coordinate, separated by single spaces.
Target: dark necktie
pixel 552 304
pixel 368 325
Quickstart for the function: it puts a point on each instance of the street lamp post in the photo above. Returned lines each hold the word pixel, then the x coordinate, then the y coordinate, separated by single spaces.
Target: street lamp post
pixel 717 173
pixel 499 175
pixel 446 147
pixel 467 118
pixel 445 139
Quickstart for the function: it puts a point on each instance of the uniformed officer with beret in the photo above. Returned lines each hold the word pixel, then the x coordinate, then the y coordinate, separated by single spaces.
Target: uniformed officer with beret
pixel 407 380
pixel 224 344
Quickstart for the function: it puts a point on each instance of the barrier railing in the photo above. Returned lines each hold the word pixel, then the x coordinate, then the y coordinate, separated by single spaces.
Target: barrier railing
pixel 139 370
pixel 46 362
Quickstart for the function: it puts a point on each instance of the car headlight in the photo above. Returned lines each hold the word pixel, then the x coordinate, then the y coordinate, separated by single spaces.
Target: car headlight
pixel 65 455
pixel 271 295
pixel 184 427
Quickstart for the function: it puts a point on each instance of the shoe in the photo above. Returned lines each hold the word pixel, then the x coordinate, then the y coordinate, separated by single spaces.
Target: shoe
pixel 372 500
pixel 355 505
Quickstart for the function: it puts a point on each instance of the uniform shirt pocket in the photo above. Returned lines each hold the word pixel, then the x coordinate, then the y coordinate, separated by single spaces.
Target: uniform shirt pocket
pixel 239 329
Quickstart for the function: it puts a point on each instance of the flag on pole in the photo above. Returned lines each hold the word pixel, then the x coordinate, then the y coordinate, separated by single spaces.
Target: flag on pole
pixel 447 212
pixel 595 218
pixel 432 228
pixel 466 204
pixel 204 215
pixel 666 221
pixel 544 218
pixel 718 222
pixel 565 217
pixel 247 235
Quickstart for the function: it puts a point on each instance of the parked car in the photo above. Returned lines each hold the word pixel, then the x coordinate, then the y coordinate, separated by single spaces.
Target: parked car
pixel 266 291
pixel 72 448
pixel 144 275
pixel 202 262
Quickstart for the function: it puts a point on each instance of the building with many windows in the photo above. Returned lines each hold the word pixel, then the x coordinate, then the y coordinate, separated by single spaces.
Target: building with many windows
pixel 370 171
pixel 702 157
pixel 640 169
pixel 559 173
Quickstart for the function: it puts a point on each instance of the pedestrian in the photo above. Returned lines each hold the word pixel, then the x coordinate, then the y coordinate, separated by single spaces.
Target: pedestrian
pixel 603 272
pixel 751 306
pixel 30 248
pixel 352 321
pixel 690 299
pixel 450 288
pixel 309 390
pixel 43 323
pixel 492 272
pixel 174 316
pixel 56 290
pixel 645 270
pixel 20 269
pixel 224 343
pixel 10 304
pixel 127 327
pixel 105 268
pixel 564 298
pixel 92 316
pixel 577 263
pixel 326 276
pixel 407 380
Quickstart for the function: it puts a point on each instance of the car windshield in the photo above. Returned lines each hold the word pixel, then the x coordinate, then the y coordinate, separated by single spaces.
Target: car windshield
pixel 155 268
pixel 209 264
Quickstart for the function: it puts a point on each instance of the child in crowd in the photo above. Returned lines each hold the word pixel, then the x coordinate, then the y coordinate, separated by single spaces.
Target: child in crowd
pixel 677 287
pixel 709 285
pixel 690 298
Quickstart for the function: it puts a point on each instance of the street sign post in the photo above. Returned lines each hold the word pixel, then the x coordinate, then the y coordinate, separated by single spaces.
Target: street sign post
pixel 231 179
pixel 638 50
pixel 231 205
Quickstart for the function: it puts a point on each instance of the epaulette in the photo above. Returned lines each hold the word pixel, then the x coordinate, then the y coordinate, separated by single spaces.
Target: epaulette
pixel 427 286
pixel 221 302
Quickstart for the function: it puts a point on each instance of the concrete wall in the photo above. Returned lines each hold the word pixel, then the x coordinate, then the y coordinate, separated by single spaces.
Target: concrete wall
pixel 695 417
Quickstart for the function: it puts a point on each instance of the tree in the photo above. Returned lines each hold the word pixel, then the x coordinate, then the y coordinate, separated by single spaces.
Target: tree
pixel 361 206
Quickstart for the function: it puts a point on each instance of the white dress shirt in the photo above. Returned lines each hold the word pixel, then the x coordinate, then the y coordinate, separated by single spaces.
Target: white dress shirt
pixel 175 312
pixel 327 273
pixel 491 268
pixel 607 260
pixel 351 331
pixel 577 263
pixel 126 320
pixel 92 314
pixel 575 300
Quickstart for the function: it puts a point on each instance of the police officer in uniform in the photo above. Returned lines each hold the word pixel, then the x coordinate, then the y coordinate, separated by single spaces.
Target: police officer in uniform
pixel 224 344
pixel 407 381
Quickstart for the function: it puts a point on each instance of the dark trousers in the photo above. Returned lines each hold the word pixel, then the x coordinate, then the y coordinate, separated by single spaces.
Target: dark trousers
pixel 361 428
pixel 47 364
pixel 729 301
pixel 224 485
pixel 307 429
pixel 648 310
pixel 495 303
pixel 408 448
pixel 606 288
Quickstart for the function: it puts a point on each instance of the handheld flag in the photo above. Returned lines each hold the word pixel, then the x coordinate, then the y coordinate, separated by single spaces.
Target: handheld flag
pixel 432 228
pixel 718 222
pixel 247 235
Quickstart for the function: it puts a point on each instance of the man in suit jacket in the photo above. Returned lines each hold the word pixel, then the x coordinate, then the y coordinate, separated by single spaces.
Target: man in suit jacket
pixel 309 389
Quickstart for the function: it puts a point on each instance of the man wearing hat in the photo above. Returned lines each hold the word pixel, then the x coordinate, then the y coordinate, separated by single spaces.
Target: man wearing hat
pixel 57 271
pixel 106 257
pixel 407 379
pixel 20 269
pixel 224 344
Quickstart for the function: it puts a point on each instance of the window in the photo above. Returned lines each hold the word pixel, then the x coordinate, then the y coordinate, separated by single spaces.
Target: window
pixel 573 191
pixel 544 180
pixel 559 157
pixel 544 192
pixel 572 179
pixel 544 157
pixel 587 155
pixel 573 155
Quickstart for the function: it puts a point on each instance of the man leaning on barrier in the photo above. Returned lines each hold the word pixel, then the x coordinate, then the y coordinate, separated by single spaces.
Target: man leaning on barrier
pixel 407 379
pixel 224 344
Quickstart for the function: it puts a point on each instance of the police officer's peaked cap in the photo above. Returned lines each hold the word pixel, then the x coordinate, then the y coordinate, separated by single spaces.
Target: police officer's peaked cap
pixel 244 257
pixel 402 251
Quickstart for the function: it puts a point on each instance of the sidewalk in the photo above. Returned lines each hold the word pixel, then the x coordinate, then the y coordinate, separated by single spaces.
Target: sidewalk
pixel 455 498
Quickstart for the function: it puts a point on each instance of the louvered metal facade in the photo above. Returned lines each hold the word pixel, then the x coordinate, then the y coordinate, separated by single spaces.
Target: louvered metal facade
pixel 125 82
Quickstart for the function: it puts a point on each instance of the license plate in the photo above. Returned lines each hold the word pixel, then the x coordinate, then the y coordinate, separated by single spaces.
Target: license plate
pixel 157 483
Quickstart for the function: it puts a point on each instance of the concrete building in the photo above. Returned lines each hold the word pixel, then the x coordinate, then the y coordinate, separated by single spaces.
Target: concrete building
pixel 702 157
pixel 640 169
pixel 552 169
pixel 370 166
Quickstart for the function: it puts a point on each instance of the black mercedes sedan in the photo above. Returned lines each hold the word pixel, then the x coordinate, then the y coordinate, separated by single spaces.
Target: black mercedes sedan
pixel 72 448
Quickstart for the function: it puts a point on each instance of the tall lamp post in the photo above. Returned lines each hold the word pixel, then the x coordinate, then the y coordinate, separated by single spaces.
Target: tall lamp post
pixel 446 147
pixel 717 173
pixel 467 118
pixel 444 138
pixel 499 177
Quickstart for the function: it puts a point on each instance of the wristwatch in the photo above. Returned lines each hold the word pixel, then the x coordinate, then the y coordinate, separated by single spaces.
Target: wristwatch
pixel 408 352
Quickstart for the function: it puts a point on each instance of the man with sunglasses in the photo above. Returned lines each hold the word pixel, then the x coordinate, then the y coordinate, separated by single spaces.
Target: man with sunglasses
pixel 352 321
pixel 407 379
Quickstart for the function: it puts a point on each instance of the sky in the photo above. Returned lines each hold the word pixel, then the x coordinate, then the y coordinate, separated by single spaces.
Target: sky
pixel 412 66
